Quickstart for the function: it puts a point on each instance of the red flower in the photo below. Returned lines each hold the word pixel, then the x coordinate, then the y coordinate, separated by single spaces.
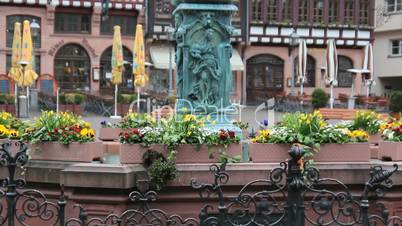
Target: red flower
pixel 231 134
pixel 222 134
pixel 56 130
pixel 136 131
pixel 126 135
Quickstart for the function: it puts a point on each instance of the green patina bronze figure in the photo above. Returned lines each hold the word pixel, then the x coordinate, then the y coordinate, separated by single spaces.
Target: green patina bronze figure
pixel 202 32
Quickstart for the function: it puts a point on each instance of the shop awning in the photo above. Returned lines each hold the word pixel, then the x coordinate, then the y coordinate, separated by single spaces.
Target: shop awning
pixel 236 61
pixel 160 58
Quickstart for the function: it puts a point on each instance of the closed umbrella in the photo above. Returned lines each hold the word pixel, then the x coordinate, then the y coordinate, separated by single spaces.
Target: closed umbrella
pixel 140 77
pixel 29 75
pixel 117 64
pixel 27 60
pixel 332 68
pixel 16 71
pixel 302 64
pixel 368 66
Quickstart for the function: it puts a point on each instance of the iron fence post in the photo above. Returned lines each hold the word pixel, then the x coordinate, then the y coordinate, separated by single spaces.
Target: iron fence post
pixel 62 206
pixel 295 203
pixel 11 194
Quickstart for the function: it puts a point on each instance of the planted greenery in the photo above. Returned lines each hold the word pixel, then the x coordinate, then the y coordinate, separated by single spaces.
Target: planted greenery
pixel 392 130
pixel 6 99
pixel 173 132
pixel 309 130
pixel 368 121
pixel 395 104
pixel 71 98
pixel 319 98
pixel 126 98
pixel 10 127
pixel 63 127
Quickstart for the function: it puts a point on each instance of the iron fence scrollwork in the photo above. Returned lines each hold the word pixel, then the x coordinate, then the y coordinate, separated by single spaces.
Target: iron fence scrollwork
pixel 294 194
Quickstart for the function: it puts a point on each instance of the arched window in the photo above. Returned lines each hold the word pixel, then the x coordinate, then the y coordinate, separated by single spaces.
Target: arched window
pixel 106 70
pixel 11 20
pixel 310 71
pixel 264 77
pixel 72 68
pixel 345 78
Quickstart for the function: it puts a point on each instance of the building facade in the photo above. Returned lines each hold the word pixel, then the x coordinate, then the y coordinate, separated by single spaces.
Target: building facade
pixel 73 48
pixel 388 47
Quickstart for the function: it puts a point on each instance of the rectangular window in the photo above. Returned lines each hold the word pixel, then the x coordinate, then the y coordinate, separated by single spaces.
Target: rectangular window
pixel 333 11
pixel 257 11
pixel 394 5
pixel 126 23
pixel 348 13
pixel 72 23
pixel 363 12
pixel 303 10
pixel 11 20
pixel 396 47
pixel 272 11
pixel 318 11
pixel 36 68
pixel 287 10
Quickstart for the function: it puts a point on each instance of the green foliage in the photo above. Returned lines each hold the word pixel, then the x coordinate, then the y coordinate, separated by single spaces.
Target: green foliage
pixel 366 120
pixel 396 101
pixel 135 120
pixel 71 98
pixel 63 127
pixel 126 98
pixel 320 98
pixel 161 171
pixel 6 99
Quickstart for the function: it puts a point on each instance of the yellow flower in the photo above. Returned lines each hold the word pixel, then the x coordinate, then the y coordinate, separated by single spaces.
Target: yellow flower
pixel 189 117
pixel 213 122
pixel 87 125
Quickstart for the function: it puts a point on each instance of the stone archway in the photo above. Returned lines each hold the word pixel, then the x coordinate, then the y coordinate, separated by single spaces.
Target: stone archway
pixel 72 67
pixel 106 71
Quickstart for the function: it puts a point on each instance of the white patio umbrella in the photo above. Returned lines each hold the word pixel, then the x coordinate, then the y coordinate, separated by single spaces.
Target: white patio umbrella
pixel 368 65
pixel 302 64
pixel 332 68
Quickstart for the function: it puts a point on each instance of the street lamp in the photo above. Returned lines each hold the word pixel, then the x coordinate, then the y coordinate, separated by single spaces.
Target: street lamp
pixel 35 28
pixel 293 42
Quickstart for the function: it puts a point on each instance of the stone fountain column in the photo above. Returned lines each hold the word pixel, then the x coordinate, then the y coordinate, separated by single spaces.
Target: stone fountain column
pixel 203 29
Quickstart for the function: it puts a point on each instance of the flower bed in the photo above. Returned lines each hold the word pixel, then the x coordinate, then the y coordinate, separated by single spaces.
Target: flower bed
pixel 62 136
pixel 74 152
pixel 391 147
pixel 109 134
pixel 134 153
pixel 351 152
pixel 188 153
pixel 268 153
pixel 317 137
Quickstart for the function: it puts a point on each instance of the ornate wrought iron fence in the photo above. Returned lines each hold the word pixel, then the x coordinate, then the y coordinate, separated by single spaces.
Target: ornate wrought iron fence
pixel 294 195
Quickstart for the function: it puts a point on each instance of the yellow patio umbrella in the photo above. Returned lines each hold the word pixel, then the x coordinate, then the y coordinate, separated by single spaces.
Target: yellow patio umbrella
pixel 140 77
pixel 29 75
pixel 117 64
pixel 16 69
pixel 117 57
